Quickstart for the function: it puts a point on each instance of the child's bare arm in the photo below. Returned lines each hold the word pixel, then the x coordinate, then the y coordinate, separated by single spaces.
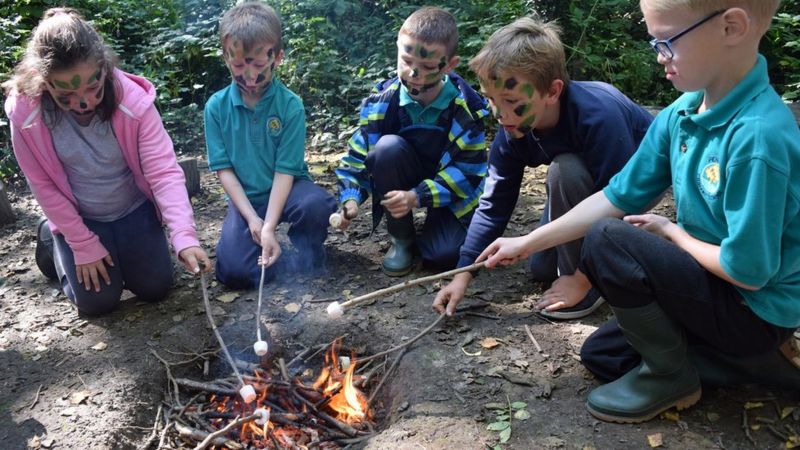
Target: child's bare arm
pixel 232 186
pixel 281 187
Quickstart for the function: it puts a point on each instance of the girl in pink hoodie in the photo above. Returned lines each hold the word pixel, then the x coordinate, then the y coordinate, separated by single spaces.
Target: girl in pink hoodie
pixel 98 160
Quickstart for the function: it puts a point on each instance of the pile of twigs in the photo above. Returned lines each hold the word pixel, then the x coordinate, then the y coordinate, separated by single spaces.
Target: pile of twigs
pixel 214 415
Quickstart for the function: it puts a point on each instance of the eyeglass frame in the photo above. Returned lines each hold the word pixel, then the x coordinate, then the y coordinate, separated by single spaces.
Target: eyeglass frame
pixel 664 46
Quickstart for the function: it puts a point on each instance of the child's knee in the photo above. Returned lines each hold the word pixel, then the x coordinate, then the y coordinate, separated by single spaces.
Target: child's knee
pixel 91 303
pixel 388 150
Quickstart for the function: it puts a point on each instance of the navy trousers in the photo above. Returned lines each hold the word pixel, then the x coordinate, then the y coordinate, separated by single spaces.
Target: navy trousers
pixel 307 209
pixel 396 163
pixel 142 262
pixel 632 267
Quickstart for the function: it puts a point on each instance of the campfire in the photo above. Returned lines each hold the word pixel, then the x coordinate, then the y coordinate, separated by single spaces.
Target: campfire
pixel 326 411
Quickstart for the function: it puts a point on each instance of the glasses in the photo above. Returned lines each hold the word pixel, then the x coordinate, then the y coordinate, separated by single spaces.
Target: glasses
pixel 664 46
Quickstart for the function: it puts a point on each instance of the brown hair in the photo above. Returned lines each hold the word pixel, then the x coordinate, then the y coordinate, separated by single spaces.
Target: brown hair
pixel 253 23
pixel 63 39
pixel 762 11
pixel 433 26
pixel 527 47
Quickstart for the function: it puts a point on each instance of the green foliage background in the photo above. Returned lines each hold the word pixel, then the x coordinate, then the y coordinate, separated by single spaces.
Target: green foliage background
pixel 337 49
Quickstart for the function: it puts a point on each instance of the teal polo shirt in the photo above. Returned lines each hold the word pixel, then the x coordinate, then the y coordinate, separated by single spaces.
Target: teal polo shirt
pixel 428 115
pixel 735 174
pixel 257 142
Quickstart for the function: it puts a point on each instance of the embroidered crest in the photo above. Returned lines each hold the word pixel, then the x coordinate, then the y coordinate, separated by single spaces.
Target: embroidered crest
pixel 710 178
pixel 274 126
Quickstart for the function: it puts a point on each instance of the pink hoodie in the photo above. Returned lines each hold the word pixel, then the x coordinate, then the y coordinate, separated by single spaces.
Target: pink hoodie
pixel 145 145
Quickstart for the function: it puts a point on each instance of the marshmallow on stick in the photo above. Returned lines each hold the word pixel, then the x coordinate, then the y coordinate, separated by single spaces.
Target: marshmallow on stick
pixel 336 309
pixel 335 219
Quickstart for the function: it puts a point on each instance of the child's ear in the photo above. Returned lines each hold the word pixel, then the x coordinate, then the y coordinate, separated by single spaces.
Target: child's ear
pixel 279 58
pixel 554 91
pixel 452 64
pixel 737 24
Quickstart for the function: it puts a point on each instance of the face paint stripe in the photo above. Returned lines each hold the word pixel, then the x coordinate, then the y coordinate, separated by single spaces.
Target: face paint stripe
pixel 522 109
pixel 95 76
pixel 510 83
pixel 61 84
pixel 75 81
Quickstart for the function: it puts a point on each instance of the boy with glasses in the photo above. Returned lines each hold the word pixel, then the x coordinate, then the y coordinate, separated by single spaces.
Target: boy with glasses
pixel 724 281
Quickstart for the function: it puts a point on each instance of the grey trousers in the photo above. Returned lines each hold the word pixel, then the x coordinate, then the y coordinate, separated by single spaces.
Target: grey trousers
pixel 568 183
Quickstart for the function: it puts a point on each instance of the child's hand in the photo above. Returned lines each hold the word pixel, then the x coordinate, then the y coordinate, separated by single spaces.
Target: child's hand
pixel 195 259
pixel 89 274
pixel 255 226
pixel 653 223
pixel 270 248
pixel 349 212
pixel 399 203
pixel 504 251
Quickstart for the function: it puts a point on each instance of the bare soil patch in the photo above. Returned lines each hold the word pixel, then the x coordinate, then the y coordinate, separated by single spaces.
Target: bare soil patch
pixel 76 384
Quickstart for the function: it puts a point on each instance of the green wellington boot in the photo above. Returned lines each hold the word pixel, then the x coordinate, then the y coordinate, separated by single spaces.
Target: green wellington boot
pixel 399 260
pixel 664 379
pixel 780 368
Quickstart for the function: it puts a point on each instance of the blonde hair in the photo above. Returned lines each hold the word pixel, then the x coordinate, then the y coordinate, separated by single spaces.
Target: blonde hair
pixel 527 47
pixel 432 25
pixel 253 23
pixel 761 11
pixel 63 39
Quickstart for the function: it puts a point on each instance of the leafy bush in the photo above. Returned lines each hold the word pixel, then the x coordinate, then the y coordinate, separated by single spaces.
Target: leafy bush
pixel 332 67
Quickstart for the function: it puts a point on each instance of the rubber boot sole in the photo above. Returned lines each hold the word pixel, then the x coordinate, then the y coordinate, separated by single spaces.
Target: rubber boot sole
pixel 679 404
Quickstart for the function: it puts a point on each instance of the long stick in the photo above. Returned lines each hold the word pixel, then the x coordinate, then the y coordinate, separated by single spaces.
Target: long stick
pixel 404 344
pixel 260 296
pixel 409 283
pixel 204 284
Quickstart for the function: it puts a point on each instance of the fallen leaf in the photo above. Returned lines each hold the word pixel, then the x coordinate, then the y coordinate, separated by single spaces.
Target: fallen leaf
pixel 489 342
pixel 494 405
pixel 100 346
pixel 76 398
pixel 68 412
pixel 292 307
pixel 519 405
pixel 655 440
pixel 47 443
pixel 712 417
pixel 671 415
pixel 753 405
pixel 227 297
pixel 522 414
pixel 505 435
pixel 498 426
pixel 786 411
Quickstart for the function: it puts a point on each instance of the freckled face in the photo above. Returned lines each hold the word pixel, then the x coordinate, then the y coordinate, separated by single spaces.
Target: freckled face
pixel 251 69
pixel 420 65
pixel 515 102
pixel 78 89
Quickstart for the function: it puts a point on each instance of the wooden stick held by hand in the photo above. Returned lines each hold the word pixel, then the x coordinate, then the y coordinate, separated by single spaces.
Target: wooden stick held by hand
pixel 336 309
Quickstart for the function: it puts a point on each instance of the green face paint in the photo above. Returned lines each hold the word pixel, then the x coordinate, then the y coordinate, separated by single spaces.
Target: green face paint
pixel 75 81
pixel 528 90
pixel 61 85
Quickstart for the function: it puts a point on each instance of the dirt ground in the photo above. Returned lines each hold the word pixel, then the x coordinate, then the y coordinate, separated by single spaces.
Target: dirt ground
pixel 73 383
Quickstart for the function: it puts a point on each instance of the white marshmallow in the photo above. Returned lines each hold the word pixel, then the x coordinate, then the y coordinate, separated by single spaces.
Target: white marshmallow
pixel 248 393
pixel 335 310
pixel 263 416
pixel 261 348
pixel 335 220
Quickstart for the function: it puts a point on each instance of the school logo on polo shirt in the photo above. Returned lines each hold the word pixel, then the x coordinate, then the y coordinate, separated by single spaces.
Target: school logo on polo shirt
pixel 710 178
pixel 274 126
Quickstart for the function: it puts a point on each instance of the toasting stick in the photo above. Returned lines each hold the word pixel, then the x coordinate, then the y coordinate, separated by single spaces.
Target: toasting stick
pixel 261 347
pixel 336 309
pixel 247 391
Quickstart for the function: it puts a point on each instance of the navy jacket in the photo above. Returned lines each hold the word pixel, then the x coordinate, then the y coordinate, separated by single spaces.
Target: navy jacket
pixel 597 122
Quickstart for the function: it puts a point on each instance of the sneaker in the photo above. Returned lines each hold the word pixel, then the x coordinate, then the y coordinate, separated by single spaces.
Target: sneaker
pixel 588 305
pixel 44 250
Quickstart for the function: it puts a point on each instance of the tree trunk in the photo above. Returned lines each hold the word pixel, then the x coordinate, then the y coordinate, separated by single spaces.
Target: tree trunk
pixel 192 175
pixel 6 212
